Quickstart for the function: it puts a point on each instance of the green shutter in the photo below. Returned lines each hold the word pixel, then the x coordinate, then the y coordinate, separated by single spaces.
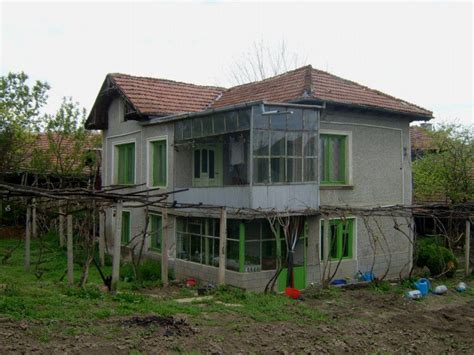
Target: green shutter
pixel 126 164
pixel 159 168
pixel 125 227
pixel 340 238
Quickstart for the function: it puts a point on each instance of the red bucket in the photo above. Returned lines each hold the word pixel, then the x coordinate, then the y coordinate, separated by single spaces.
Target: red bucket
pixel 292 293
pixel 191 282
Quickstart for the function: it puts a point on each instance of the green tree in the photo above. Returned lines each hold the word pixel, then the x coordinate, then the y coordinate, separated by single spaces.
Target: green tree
pixel 20 118
pixel 67 153
pixel 446 169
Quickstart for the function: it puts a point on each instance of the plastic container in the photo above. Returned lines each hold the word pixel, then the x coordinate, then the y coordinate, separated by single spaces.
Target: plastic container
pixel 191 282
pixel 461 287
pixel 423 285
pixel 413 295
pixel 440 290
pixel 292 293
pixel 368 276
pixel 338 282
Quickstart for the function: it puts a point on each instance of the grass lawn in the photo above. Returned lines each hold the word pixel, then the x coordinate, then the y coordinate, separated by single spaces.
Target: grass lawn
pixel 40 313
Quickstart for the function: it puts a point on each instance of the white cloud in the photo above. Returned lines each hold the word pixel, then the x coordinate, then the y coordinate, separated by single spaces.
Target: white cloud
pixel 420 52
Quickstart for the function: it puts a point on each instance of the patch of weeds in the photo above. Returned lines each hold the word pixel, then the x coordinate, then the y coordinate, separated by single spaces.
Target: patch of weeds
pixel 381 286
pixel 125 297
pixel 103 313
pixel 319 293
pixel 88 293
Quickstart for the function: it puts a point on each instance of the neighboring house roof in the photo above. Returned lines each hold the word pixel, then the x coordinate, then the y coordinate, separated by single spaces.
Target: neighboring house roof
pixel 420 139
pixel 66 147
pixel 159 97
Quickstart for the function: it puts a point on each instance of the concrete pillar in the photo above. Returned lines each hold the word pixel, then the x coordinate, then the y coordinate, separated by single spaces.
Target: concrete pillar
pixel 34 224
pixel 326 248
pixel 164 247
pixel 117 247
pixel 222 246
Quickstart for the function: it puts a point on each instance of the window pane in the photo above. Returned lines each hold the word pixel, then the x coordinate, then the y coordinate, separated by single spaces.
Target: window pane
pixel 323 142
pixel 269 255
pixel 231 121
pixel 261 140
pixel 278 143
pixel 125 227
pixel 159 163
pixel 310 120
pixel 207 126
pixel 294 144
pixel 278 121
pixel 294 169
pixel 211 164
pixel 155 231
pixel 252 256
pixel 277 170
pixel 219 123
pixel 196 252
pixel 310 144
pixel 186 129
pixel 197 127
pixel 244 119
pixel 232 260
pixel 333 240
pixel 260 121
pixel 252 230
pixel 335 156
pixel 310 169
pixel 204 160
pixel 260 170
pixel 197 163
pixel 295 120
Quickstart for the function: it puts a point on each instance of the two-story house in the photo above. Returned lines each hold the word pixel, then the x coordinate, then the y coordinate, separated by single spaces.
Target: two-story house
pixel 290 143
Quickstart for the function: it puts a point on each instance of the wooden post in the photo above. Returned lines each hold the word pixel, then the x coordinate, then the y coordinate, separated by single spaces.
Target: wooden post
pixel 117 247
pixel 467 248
pixel 102 238
pixel 326 249
pixel 28 237
pixel 61 226
pixel 33 220
pixel 164 247
pixel 70 255
pixel 222 246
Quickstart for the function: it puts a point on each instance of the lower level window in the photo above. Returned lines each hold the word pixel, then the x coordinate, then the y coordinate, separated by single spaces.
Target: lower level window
pixel 156 226
pixel 126 226
pixel 341 232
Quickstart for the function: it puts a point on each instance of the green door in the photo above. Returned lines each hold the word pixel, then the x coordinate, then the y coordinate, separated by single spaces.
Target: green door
pixel 299 265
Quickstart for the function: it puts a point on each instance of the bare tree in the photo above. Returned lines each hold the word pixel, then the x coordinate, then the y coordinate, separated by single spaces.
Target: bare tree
pixel 264 60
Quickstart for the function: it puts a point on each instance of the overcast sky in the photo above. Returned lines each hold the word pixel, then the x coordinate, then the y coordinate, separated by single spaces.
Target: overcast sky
pixel 421 52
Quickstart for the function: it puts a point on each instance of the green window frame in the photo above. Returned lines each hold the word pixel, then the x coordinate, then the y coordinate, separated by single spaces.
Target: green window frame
pixel 126 226
pixel 341 238
pixel 333 159
pixel 156 231
pixel 125 164
pixel 159 160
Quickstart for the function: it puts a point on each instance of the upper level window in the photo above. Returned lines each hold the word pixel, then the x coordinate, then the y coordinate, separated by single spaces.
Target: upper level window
pixel 284 147
pixel 333 159
pixel 126 227
pixel 207 165
pixel 158 162
pixel 125 164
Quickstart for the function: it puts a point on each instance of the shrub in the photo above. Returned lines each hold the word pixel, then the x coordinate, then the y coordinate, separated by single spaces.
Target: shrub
pixel 438 259
pixel 149 270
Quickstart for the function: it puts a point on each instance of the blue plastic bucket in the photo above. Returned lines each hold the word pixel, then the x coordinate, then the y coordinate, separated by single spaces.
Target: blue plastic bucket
pixel 338 282
pixel 423 285
pixel 368 276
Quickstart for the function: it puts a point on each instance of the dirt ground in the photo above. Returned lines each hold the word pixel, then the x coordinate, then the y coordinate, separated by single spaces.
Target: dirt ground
pixel 358 321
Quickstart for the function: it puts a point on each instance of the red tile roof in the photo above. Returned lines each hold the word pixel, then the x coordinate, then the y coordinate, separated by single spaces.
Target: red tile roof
pixel 420 138
pixel 150 96
pixel 308 83
pixel 161 97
